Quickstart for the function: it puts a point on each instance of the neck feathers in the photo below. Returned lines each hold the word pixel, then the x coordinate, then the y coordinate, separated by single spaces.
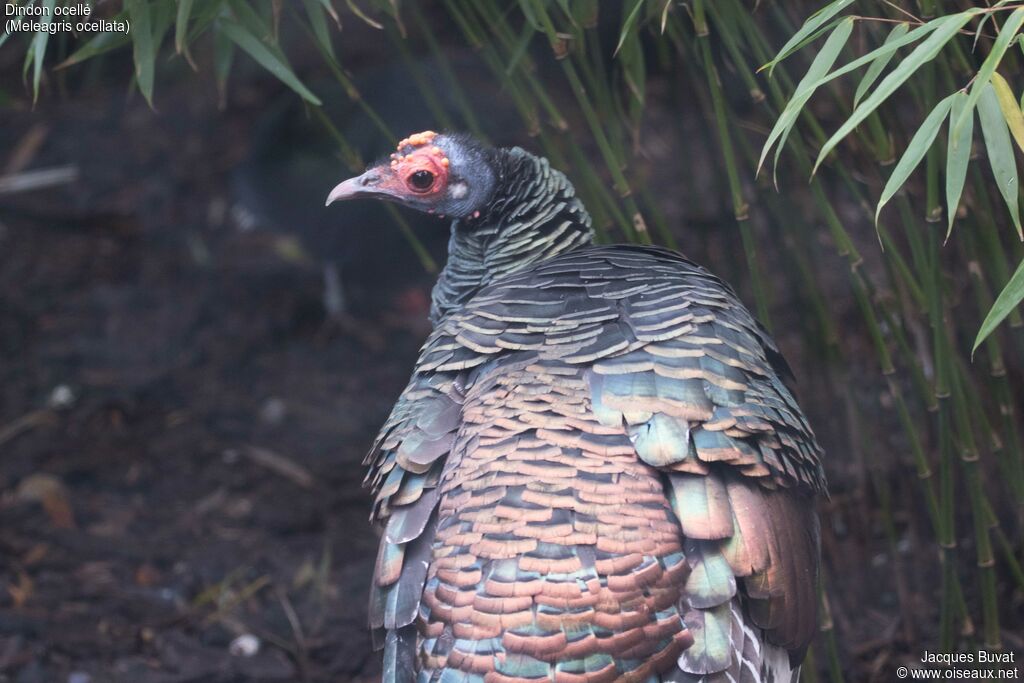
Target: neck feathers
pixel 533 216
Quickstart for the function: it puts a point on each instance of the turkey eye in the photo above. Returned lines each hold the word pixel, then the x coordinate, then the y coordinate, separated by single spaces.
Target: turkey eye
pixel 421 181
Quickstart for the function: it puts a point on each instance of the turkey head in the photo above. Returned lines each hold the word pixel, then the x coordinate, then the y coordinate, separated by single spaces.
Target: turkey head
pixel 447 175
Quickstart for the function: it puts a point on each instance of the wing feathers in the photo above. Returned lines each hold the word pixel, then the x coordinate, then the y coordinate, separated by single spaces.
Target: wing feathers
pixel 702 505
pixel 617 342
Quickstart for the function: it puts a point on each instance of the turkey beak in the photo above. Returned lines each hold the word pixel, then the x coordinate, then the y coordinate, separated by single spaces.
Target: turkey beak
pixel 368 184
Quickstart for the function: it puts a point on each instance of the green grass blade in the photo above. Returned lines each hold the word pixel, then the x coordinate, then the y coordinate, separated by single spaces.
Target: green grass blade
pixel 1011 110
pixel 1000 151
pixel 916 149
pixel 958 157
pixel 1009 30
pixel 1008 299
pixel 813 23
pixel 946 28
pixel 266 58
pixel 879 63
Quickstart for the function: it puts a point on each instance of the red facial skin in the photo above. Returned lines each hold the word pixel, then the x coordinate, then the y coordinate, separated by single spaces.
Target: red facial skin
pixel 416 153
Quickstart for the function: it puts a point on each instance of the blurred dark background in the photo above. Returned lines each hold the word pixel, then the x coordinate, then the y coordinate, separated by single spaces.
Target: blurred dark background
pixel 196 355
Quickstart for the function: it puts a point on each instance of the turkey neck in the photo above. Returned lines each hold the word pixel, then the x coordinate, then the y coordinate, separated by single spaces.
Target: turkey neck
pixel 533 215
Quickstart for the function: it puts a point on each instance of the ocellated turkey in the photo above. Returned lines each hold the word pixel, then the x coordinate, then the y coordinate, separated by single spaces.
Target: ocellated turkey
pixel 596 472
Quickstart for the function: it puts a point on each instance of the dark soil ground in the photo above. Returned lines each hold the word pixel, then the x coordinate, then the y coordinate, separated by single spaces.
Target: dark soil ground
pixel 182 428
pixel 182 423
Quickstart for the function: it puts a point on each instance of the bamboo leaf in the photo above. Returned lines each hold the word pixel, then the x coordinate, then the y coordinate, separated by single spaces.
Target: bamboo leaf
pixel 826 57
pixel 813 23
pixel 1010 28
pixel 143 49
pixel 247 17
pixel 946 28
pixel 629 23
pixel 887 49
pixel 181 26
pixel 223 56
pixel 879 63
pixel 797 102
pixel 318 21
pixel 531 17
pixel 958 157
pixel 7 34
pixel 203 17
pixel 37 49
pixel 823 61
pixel 97 45
pixel 259 51
pixel 111 40
pixel 916 149
pixel 362 15
pixel 981 24
pixel 1011 110
pixel 1005 303
pixel 329 8
pixel 1000 151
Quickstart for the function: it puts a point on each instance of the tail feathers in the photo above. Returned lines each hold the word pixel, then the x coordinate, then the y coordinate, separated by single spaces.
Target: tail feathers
pixel 753 659
pixel 400 655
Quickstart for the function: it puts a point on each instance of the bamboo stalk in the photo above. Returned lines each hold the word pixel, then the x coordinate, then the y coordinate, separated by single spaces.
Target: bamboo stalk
pixel 739 203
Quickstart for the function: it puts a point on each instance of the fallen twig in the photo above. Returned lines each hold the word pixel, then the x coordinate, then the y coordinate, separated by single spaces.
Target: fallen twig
pixel 24 423
pixel 287 468
pixel 38 179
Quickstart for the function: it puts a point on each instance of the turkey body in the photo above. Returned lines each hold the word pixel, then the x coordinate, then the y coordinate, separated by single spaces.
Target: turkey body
pixel 597 474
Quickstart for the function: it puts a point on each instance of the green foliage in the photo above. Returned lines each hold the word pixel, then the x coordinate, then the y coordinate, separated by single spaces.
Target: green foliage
pixel 918 147
pixel 1000 150
pixel 998 114
pixel 241 22
pixel 958 158
pixel 1008 300
pixel 815 25
pixel 37 49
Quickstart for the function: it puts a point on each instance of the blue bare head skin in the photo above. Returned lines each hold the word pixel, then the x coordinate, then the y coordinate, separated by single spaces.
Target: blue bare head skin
pixel 439 173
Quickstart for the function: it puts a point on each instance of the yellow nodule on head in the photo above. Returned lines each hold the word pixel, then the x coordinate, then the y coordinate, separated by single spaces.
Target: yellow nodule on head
pixel 417 140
